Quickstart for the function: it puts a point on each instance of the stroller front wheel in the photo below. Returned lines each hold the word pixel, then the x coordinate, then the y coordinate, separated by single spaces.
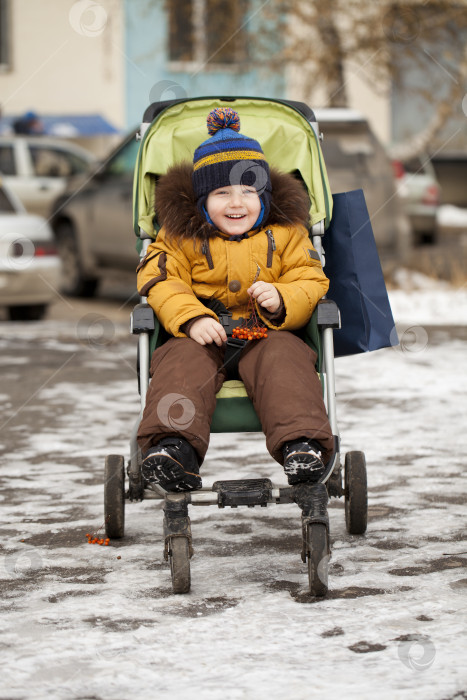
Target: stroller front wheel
pixel 179 557
pixel 356 497
pixel 318 558
pixel 114 496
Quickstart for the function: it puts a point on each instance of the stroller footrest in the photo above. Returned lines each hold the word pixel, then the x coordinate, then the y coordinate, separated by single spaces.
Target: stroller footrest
pixel 243 492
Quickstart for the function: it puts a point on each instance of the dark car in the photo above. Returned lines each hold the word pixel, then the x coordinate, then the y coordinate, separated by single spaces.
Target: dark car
pixel 93 221
pixel 420 193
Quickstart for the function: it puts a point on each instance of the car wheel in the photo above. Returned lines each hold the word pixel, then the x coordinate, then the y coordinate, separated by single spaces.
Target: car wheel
pixel 27 313
pixel 425 238
pixel 74 282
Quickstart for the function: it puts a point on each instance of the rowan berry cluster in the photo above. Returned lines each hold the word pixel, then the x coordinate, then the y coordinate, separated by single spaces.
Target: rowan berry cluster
pixel 255 332
pixel 97 540
pixel 94 537
pixel 250 327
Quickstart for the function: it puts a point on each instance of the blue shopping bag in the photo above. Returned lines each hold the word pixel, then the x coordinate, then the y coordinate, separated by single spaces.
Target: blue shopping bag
pixel 356 278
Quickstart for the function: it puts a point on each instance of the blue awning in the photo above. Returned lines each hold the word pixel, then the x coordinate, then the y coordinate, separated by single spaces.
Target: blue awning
pixel 67 125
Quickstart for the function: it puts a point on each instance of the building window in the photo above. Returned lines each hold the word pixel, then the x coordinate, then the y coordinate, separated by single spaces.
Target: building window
pixel 4 35
pixel 207 32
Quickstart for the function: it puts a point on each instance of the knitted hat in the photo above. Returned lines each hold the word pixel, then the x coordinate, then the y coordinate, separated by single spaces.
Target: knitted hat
pixel 230 158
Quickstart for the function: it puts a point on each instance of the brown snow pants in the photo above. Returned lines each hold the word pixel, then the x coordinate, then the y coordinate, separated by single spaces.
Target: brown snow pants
pixel 279 376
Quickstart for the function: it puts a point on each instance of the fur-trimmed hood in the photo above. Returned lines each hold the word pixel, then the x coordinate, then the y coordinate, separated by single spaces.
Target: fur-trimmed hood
pixel 176 208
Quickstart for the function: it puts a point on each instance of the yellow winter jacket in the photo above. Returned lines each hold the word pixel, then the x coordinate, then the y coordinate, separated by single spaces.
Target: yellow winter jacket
pixel 190 260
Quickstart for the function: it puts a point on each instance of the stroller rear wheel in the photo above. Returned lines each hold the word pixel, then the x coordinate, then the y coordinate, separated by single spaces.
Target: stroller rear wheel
pixel 318 558
pixel 179 557
pixel 356 497
pixel 114 496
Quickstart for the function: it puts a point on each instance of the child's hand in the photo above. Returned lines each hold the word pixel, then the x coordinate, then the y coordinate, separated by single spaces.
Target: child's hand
pixel 266 295
pixel 207 330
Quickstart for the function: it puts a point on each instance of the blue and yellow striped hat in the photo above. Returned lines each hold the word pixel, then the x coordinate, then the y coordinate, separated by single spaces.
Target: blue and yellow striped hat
pixel 229 158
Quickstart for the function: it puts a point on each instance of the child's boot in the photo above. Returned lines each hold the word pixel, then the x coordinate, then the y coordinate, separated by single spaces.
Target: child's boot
pixel 173 465
pixel 303 461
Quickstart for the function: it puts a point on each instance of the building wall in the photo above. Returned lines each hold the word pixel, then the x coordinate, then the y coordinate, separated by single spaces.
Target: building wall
pixel 151 78
pixel 65 57
pixel 374 105
pixel 111 57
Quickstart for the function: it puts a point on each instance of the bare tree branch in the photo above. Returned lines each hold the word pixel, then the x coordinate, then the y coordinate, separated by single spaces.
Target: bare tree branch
pixel 444 108
pixel 384 42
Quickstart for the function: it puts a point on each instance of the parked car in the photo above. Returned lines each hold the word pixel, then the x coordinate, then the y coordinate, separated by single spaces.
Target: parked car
pixel 29 262
pixel 356 159
pixel 37 168
pixel 419 190
pixel 93 221
pixel 451 173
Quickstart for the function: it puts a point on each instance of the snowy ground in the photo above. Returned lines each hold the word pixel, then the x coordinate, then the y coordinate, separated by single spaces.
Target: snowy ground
pixel 81 621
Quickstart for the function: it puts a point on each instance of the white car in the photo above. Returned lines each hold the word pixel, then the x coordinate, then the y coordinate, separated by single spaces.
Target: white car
pixel 36 168
pixel 30 268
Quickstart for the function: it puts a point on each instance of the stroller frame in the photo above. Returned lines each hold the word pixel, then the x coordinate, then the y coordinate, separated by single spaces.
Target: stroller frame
pixel 312 499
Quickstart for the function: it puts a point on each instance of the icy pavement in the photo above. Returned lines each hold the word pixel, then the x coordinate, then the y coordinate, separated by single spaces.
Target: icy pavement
pixel 81 621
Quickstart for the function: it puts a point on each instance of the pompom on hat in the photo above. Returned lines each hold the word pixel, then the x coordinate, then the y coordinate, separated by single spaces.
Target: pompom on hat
pixel 230 158
pixel 222 118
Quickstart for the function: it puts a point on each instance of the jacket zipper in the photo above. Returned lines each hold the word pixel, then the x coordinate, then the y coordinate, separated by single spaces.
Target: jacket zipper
pixel 205 249
pixel 271 247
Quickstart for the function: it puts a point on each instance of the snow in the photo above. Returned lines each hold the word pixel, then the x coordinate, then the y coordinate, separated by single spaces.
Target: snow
pixel 449 215
pixel 337 114
pixel 81 621
pixel 439 304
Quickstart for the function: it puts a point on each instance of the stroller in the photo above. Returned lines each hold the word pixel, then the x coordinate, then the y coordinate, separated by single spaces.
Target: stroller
pixel 290 138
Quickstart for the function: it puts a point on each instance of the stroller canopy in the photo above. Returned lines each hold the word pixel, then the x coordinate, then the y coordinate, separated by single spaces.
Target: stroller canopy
pixel 285 134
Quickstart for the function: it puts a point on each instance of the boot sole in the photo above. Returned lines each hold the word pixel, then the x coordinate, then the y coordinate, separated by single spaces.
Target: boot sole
pixel 304 467
pixel 167 472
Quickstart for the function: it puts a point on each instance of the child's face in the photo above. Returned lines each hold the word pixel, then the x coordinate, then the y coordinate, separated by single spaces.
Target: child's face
pixel 234 209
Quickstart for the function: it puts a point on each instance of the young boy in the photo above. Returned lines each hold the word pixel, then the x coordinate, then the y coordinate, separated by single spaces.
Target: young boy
pixel 233 233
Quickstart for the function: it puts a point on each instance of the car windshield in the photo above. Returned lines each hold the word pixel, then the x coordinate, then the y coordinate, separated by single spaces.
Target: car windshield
pixel 53 162
pixel 6 207
pixel 418 165
pixel 7 160
pixel 124 161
